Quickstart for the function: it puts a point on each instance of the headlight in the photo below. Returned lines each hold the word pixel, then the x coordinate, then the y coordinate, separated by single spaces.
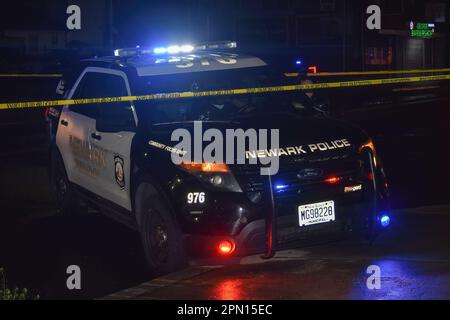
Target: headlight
pixel 216 175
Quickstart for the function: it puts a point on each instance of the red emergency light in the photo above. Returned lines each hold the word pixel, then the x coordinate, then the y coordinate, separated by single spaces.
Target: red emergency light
pixel 333 180
pixel 312 69
pixel 226 247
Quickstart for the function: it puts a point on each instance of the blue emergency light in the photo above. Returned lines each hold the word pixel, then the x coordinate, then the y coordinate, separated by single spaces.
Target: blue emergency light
pixel 384 220
pixel 160 50
pixel 175 49
pixel 281 187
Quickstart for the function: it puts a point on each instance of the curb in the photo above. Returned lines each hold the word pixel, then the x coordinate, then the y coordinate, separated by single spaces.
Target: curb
pixel 441 210
pixel 147 288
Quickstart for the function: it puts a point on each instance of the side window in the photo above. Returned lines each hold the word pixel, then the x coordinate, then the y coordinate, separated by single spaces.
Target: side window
pixel 89 87
pixel 117 116
pixel 110 117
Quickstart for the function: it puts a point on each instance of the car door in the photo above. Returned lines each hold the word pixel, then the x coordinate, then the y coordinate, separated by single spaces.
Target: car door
pixel 73 135
pixel 112 135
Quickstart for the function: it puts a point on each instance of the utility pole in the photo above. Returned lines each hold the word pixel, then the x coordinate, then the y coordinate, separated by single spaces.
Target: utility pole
pixel 447 32
pixel 363 30
pixel 344 34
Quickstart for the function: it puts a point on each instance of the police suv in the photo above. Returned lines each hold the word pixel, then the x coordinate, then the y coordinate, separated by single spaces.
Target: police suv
pixel 117 157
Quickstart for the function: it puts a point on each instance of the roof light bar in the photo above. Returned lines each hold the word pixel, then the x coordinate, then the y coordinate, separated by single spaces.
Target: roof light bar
pixel 175 49
pixel 128 52
pixel 216 46
pixel 187 48
pixel 160 50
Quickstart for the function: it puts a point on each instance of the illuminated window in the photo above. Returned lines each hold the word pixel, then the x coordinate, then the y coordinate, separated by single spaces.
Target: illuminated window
pixel 379 56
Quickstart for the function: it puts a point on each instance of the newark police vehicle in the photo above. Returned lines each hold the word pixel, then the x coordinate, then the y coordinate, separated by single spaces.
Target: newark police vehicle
pixel 116 157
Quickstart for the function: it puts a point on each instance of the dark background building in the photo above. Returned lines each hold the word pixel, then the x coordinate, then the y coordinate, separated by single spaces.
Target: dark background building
pixel 34 36
pixel 329 33
pixel 394 47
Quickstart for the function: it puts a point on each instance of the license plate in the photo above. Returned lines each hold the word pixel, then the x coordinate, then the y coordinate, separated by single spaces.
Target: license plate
pixel 316 213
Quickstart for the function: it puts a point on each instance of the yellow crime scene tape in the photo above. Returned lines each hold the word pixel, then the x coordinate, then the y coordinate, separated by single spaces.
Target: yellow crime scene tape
pixel 368 73
pixel 31 75
pixel 184 95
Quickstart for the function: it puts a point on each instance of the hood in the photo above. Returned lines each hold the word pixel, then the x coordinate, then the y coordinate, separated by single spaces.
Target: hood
pixel 297 136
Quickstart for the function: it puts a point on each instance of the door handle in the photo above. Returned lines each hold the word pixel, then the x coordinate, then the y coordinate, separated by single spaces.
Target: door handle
pixel 96 136
pixel 64 123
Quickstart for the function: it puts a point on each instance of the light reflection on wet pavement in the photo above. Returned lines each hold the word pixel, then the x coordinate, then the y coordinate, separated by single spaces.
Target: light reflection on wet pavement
pixel 413 257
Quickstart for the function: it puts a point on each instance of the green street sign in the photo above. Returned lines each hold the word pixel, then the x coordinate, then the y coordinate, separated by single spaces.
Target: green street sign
pixel 422 30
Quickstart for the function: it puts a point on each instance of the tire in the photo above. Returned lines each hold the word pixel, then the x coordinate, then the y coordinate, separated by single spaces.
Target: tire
pixel 67 202
pixel 161 237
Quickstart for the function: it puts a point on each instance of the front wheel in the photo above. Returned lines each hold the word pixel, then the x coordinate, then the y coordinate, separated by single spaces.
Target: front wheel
pixel 161 237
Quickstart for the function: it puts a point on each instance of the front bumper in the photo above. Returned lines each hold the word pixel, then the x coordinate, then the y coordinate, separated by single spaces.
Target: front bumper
pixel 351 221
pixel 233 216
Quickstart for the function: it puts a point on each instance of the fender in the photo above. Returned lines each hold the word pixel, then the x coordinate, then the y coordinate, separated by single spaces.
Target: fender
pixel 144 184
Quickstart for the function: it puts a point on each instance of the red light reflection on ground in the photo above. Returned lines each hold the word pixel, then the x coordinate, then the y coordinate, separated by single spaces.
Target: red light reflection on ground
pixel 229 290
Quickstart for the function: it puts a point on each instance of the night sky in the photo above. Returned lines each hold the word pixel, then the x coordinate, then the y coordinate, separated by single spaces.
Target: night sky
pixel 153 22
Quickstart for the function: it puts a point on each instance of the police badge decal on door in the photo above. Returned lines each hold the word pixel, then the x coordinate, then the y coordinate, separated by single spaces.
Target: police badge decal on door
pixel 119 171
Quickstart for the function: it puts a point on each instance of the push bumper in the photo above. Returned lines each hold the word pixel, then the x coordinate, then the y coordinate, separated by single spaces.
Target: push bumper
pixel 353 221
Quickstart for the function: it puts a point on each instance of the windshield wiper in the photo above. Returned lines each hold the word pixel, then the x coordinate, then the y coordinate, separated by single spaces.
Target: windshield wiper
pixel 267 114
pixel 192 121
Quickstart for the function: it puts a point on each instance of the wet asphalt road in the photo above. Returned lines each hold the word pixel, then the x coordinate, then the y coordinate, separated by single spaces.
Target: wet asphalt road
pixel 412 256
pixel 36 246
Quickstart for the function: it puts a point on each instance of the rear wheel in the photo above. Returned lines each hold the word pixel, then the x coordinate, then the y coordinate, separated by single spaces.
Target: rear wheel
pixel 68 204
pixel 161 237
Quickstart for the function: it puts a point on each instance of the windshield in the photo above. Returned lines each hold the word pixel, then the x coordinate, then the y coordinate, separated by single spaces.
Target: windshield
pixel 231 108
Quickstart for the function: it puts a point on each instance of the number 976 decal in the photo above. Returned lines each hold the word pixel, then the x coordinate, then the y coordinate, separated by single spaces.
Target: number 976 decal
pixel 196 197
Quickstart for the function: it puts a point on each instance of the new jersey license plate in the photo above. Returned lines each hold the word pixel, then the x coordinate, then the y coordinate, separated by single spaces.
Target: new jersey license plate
pixel 316 213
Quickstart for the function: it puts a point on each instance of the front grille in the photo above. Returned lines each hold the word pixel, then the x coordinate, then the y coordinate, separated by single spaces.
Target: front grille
pixel 347 168
pixel 350 169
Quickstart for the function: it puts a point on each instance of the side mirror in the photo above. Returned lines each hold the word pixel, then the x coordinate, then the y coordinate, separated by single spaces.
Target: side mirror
pixel 323 109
